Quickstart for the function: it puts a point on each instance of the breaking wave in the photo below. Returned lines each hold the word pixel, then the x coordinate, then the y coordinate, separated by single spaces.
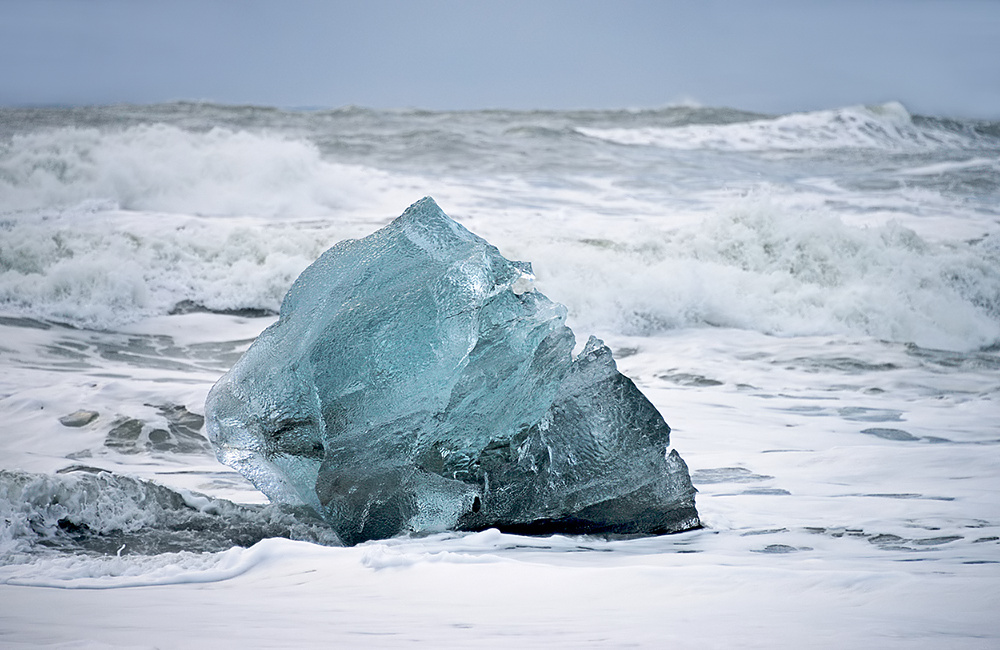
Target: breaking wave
pixel 754 265
pixel 108 514
pixel 887 126
pixel 159 167
pixel 101 270
pixel 103 226
pixel 761 267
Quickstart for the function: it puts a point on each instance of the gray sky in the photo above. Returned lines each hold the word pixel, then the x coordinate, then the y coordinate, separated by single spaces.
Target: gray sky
pixel 936 56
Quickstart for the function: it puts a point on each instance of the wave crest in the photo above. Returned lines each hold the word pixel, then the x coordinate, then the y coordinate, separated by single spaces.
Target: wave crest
pixel 110 514
pixel 887 126
pixel 105 269
pixel 158 167
pixel 761 267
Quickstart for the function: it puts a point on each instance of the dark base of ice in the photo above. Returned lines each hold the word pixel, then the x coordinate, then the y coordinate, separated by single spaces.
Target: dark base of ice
pixel 680 520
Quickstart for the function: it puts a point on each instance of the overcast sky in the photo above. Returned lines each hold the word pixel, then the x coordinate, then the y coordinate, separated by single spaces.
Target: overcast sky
pixel 936 56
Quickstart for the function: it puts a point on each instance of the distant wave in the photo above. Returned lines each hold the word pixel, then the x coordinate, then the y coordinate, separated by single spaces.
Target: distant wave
pixel 104 225
pixel 887 126
pixel 159 167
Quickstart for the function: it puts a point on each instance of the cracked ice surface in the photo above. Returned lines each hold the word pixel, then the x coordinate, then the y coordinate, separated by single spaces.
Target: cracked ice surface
pixel 415 382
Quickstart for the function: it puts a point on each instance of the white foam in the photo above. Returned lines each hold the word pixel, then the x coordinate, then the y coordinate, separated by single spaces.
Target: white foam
pixel 887 126
pixel 599 593
pixel 759 263
pixel 760 266
pixel 111 572
pixel 934 169
pixel 162 168
pixel 109 268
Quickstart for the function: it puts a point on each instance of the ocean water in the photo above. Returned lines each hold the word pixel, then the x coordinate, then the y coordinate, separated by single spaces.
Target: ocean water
pixel 811 300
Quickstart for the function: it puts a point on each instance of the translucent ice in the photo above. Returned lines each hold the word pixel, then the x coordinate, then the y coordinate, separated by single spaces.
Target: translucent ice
pixel 414 381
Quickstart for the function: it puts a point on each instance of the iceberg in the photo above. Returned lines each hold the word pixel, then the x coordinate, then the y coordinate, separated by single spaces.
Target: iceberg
pixel 416 382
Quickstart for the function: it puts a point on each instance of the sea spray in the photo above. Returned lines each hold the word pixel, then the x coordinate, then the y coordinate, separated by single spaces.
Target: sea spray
pixel 758 264
pixel 882 127
pixel 163 168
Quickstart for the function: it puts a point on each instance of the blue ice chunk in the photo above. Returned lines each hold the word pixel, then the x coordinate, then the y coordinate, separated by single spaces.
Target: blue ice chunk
pixel 414 381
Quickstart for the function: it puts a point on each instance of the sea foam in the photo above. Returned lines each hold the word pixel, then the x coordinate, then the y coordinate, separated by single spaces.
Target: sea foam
pixel 756 264
pixel 887 127
pixel 163 168
pixel 105 226
pixel 760 266
pixel 106 269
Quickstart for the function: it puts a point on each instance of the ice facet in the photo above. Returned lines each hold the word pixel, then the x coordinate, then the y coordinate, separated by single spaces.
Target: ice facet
pixel 415 381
